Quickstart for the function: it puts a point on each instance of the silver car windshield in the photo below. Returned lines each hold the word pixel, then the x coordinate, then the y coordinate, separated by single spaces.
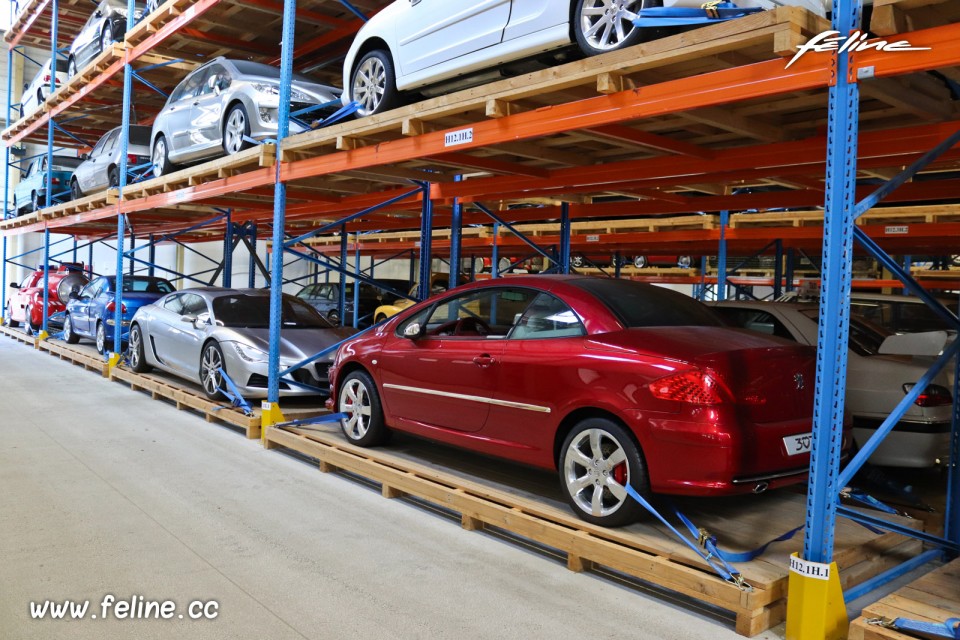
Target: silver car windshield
pixel 253 312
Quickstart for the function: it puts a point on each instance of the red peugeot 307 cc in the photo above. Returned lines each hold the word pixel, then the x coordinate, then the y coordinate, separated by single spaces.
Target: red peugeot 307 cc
pixel 608 381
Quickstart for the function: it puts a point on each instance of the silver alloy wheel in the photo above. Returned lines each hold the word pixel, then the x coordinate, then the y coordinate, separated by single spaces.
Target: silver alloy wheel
pixel 71 68
pixel 589 469
pixel 135 347
pixel 355 401
pixel 101 338
pixel 605 24
pixel 67 329
pixel 159 156
pixel 369 85
pixel 210 366
pixel 106 38
pixel 35 201
pixel 234 131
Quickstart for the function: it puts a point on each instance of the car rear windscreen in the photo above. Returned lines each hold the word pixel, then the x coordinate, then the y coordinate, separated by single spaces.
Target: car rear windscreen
pixel 643 305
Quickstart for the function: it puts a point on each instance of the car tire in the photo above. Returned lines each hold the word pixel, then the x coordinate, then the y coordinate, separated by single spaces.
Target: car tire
pixel 334 317
pixel 373 84
pixel 8 318
pixel 68 335
pixel 236 128
pixel 28 320
pixel 359 399
pixel 40 99
pixel 640 262
pixel 36 202
pixel 75 193
pixel 597 459
pixel 106 37
pixel 161 157
pixel 138 353
pixel 71 67
pixel 685 262
pixel 114 178
pixel 211 360
pixel 576 261
pixel 596 34
pixel 101 339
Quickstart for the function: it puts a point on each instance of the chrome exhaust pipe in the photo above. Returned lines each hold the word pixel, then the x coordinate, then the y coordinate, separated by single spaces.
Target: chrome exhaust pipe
pixel 761 487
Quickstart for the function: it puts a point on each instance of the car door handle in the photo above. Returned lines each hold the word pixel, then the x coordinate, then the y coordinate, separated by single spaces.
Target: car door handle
pixel 196 102
pixel 484 360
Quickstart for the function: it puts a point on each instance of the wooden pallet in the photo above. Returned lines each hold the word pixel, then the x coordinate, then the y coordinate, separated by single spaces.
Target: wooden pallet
pixel 160 387
pixel 83 356
pixel 643 551
pixel 18 334
pixel 934 597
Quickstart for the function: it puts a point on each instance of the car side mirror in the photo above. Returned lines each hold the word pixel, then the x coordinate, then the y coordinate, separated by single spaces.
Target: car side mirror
pixel 84 156
pixel 73 295
pixel 14 285
pixel 413 331
pixel 189 319
pixel 26 85
pixel 98 13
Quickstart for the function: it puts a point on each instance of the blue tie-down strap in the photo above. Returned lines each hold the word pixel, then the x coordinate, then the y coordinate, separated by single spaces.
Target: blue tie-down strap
pixel 720 566
pixel 233 395
pixel 949 629
pixel 709 542
pixel 709 13
pixel 323 419
pixel 337 116
pixel 857 495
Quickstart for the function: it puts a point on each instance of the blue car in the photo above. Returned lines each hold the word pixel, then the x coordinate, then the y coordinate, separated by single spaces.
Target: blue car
pixel 30 194
pixel 90 311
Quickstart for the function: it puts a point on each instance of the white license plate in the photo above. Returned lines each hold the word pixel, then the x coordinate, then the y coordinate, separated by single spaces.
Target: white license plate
pixel 798 444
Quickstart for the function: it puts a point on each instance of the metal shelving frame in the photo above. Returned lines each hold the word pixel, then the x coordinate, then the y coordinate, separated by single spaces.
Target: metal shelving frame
pixel 454 203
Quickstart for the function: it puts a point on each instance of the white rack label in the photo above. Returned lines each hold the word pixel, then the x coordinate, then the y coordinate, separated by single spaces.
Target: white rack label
pixel 593 238
pixel 463 136
pixel 809 569
pixel 899 230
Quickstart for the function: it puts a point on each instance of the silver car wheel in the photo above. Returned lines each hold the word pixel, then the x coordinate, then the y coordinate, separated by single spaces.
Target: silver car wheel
pixel 67 329
pixel 101 338
pixel 369 84
pixel 592 464
pixel 106 38
pixel 135 347
pixel 605 24
pixel 159 156
pixel 355 401
pixel 71 68
pixel 235 130
pixel 210 366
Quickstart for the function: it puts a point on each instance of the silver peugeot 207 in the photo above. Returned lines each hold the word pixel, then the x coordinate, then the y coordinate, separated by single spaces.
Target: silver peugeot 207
pixel 200 333
pixel 224 105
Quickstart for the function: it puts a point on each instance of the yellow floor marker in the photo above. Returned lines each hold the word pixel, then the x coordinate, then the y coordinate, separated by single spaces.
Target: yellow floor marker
pixel 270 415
pixel 815 607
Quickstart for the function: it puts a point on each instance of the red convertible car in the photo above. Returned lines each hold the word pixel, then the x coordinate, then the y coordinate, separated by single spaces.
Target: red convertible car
pixel 25 303
pixel 607 381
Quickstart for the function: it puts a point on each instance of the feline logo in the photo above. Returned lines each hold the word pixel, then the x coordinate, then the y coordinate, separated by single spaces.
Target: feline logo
pixel 856 41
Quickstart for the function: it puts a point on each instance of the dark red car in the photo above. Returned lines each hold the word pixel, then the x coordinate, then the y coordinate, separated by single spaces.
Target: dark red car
pixel 608 381
pixel 25 303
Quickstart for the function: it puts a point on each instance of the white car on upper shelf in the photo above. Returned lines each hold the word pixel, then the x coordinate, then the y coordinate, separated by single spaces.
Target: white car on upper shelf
pixel 433 46
pixel 877 378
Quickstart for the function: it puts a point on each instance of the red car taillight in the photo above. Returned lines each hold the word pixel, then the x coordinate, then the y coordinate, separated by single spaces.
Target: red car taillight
pixel 46 78
pixel 132 160
pixel 693 387
pixel 56 181
pixel 933 396
pixel 112 306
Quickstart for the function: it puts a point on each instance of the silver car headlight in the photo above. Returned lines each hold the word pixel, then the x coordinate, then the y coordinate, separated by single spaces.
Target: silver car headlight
pixel 250 354
pixel 269 89
pixel 120 11
pixel 299 96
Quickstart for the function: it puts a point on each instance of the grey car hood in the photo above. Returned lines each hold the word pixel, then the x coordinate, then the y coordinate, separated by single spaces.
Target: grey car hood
pixel 295 344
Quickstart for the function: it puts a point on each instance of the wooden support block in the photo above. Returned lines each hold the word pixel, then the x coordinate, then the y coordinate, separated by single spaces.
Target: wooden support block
pixel 888 20
pixel 180 405
pixel 612 82
pixel 348 143
pixel 785 43
pixel 326 467
pixel 413 127
pixel 578 564
pixel 209 417
pixel 390 492
pixel 500 108
pixel 269 444
pixel 470 523
pixel 752 622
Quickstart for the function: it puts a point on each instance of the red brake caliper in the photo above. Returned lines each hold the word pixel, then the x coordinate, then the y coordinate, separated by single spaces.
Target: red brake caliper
pixel 620 473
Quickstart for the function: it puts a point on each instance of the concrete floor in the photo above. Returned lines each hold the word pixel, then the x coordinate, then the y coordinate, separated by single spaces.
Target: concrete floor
pixel 105 491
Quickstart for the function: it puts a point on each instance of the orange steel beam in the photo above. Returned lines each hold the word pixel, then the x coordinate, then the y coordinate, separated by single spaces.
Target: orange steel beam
pixel 37 12
pixel 489 164
pixel 193 11
pixel 944 51
pixel 651 140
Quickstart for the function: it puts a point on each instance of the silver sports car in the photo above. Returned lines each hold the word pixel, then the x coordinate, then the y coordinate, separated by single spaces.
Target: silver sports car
pixel 220 107
pixel 196 333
